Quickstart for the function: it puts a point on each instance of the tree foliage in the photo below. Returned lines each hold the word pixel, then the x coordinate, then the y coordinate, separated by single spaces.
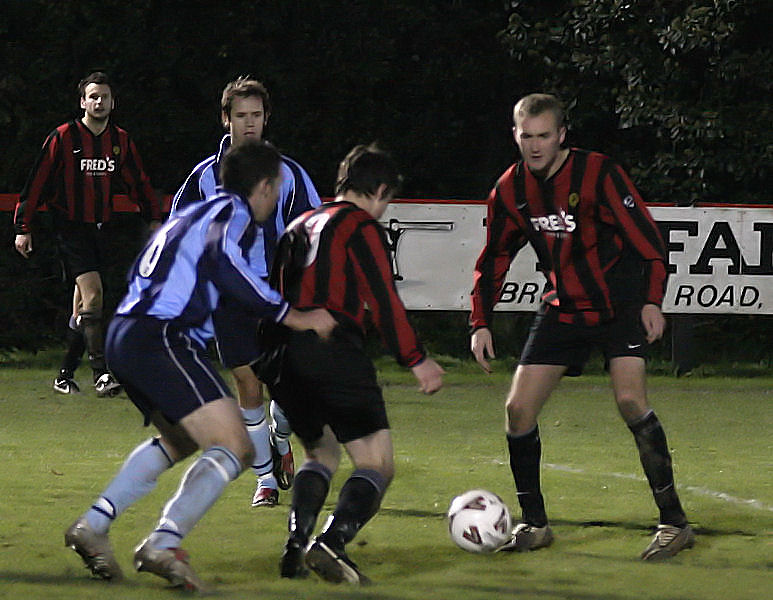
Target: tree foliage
pixel 425 79
pixel 687 84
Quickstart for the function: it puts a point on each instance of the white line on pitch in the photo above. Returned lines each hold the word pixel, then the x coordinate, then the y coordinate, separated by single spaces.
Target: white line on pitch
pixel 701 491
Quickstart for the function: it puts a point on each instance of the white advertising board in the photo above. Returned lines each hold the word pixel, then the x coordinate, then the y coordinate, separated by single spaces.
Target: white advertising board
pixel 720 259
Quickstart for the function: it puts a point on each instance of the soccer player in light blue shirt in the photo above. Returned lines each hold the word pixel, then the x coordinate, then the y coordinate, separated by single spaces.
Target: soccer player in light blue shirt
pixel 156 348
pixel 246 107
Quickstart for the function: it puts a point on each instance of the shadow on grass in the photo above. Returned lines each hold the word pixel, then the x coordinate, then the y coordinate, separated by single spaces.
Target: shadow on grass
pixel 624 525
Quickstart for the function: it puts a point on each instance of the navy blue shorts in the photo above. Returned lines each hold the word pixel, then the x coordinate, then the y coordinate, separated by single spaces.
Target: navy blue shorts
pixel 236 334
pixel 161 368
pixel 551 342
pixel 329 383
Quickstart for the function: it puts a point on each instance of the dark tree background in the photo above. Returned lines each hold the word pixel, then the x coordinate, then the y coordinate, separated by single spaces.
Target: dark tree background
pixel 426 79
pixel 677 90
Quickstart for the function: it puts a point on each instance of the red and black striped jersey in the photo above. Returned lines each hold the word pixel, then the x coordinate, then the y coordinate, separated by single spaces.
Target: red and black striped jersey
pixel 77 174
pixel 347 271
pixel 595 240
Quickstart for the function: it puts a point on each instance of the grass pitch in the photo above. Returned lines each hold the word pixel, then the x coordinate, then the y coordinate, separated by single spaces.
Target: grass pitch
pixel 58 452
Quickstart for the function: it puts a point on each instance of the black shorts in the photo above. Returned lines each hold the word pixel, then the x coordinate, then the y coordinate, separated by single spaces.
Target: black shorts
pixel 236 334
pixel 551 342
pixel 161 368
pixel 329 383
pixel 82 247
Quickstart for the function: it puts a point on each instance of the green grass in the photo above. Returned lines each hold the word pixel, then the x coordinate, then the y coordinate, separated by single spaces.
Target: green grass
pixel 57 453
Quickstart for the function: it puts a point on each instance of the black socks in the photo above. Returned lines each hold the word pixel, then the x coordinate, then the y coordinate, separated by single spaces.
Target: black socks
pixel 358 501
pixel 525 453
pixel 656 460
pixel 310 488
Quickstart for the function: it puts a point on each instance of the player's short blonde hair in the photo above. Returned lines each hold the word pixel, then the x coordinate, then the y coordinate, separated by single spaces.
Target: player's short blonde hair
pixel 536 104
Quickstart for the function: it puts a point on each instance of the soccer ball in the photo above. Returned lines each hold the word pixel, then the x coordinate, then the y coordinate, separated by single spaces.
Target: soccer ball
pixel 478 521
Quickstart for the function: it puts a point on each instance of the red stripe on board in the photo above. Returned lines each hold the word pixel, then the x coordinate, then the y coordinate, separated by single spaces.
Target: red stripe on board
pixel 123 204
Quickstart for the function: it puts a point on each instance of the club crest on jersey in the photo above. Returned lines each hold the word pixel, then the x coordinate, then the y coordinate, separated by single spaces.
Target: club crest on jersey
pixel 574 199
pixel 555 224
pixel 628 201
pixel 116 150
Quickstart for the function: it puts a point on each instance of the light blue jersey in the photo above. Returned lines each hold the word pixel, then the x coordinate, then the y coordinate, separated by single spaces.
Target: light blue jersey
pixel 193 259
pixel 297 195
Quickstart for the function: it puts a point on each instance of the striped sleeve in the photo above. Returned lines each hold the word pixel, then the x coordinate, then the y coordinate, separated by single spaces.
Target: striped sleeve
pixel 40 185
pixel 298 192
pixel 504 239
pixel 234 274
pixel 140 190
pixel 637 227
pixel 371 257
pixel 198 185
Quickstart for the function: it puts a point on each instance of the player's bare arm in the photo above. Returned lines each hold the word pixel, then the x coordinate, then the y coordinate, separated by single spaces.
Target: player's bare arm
pixel 482 346
pixel 654 322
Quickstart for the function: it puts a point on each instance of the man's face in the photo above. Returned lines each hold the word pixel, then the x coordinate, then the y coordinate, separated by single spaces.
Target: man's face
pixel 539 139
pixel 247 119
pixel 97 101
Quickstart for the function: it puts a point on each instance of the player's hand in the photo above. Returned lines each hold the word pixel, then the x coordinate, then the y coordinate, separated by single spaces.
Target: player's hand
pixel 654 322
pixel 429 374
pixel 318 320
pixel 482 347
pixel 23 244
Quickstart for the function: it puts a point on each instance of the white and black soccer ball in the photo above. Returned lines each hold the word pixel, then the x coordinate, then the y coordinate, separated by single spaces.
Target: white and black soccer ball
pixel 479 521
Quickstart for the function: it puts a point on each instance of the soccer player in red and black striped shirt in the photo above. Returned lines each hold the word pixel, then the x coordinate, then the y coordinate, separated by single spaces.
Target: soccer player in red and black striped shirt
pixel 75 176
pixel 604 262
pixel 328 389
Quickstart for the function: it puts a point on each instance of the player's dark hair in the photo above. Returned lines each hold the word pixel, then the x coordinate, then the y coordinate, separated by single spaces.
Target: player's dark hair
pixel 536 104
pixel 97 77
pixel 244 87
pixel 364 169
pixel 246 165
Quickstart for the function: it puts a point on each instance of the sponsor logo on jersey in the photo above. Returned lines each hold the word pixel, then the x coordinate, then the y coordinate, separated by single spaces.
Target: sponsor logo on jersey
pixel 555 224
pixel 97 166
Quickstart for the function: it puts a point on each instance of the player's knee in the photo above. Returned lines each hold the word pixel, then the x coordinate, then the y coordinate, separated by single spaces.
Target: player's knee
pixel 249 387
pixel 91 301
pixel 388 473
pixel 242 448
pixel 631 408
pixel 230 463
pixel 248 455
pixel 384 465
pixel 517 412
